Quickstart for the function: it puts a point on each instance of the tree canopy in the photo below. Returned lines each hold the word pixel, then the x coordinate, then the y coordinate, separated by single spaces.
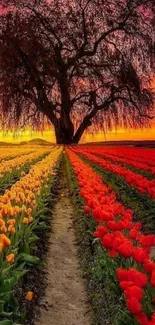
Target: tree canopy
pixel 77 62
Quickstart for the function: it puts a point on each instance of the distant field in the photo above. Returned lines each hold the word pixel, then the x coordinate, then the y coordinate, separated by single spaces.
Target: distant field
pixel 147 143
pixel 95 201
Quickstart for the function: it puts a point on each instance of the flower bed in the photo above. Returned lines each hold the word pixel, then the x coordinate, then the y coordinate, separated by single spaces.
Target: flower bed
pixel 125 157
pixel 19 219
pixel 133 270
pixel 142 184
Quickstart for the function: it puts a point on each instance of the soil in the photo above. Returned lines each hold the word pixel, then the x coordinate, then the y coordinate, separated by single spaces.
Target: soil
pixel 65 300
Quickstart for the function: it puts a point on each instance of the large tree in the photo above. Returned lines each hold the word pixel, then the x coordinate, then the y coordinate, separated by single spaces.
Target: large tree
pixel 77 62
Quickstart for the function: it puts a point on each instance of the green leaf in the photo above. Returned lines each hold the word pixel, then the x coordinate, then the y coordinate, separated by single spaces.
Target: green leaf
pixel 33 260
pixel 42 211
pixel 1 306
pixel 42 226
pixel 25 248
pixel 8 284
pixel 5 314
pixel 5 271
pixel 6 322
pixel 12 302
pixel 4 296
pixel 33 239
pixel 44 217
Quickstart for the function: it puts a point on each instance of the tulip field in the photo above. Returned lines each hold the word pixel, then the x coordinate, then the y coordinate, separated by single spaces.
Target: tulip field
pixel 127 264
pixel 112 190
pixel 22 208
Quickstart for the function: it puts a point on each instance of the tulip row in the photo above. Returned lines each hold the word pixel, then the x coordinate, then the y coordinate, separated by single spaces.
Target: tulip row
pixel 9 165
pixel 110 154
pixel 19 218
pixel 142 184
pixel 13 152
pixel 142 155
pixel 123 241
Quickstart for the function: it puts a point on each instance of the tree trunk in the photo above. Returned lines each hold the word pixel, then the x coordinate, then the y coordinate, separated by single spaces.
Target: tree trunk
pixel 63 134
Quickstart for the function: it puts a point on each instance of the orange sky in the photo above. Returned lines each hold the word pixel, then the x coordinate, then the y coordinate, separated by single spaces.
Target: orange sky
pixel 120 134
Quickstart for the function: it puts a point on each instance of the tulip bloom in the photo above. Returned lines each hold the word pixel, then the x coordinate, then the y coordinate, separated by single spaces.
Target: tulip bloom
pixel 147 241
pixel 5 240
pixel 122 275
pixel 29 296
pixel 107 241
pixel 25 220
pixel 140 255
pixel 138 278
pixel 100 232
pixel 134 306
pixel 10 258
pixel 125 250
pixel 142 319
pixel 135 292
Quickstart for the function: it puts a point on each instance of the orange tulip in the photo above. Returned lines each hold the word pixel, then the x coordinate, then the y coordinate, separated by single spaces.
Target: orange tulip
pixel 28 211
pixel 1 247
pixel 5 240
pixel 11 229
pixel 10 258
pixel 23 208
pixel 2 222
pixel 29 296
pixel 11 222
pixel 25 220
pixel 30 219
pixel 3 229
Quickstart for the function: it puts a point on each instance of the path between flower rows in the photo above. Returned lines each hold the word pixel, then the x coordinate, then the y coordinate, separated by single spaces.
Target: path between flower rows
pixel 65 301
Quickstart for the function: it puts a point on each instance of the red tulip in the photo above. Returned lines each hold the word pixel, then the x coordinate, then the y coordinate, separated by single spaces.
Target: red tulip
pixel 97 214
pixel 148 240
pixel 133 233
pixel 138 278
pixel 107 241
pixel 101 231
pixel 135 292
pixel 125 250
pixel 134 306
pixel 140 255
pixel 126 284
pixel 112 225
pixel 149 266
pixel 142 319
pixel 117 242
pixel 122 275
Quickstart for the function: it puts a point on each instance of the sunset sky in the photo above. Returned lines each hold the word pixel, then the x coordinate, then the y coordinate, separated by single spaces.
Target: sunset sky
pixel 120 134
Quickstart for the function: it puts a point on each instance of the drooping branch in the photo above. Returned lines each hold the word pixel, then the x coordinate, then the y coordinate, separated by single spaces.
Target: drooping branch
pixel 86 63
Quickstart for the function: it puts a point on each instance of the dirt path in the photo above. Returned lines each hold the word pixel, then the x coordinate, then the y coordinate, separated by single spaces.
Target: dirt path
pixel 65 301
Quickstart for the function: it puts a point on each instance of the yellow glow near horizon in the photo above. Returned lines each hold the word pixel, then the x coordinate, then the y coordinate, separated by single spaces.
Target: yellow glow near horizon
pixel 120 134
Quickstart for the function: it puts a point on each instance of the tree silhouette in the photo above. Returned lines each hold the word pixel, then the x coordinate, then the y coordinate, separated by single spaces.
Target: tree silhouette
pixel 79 63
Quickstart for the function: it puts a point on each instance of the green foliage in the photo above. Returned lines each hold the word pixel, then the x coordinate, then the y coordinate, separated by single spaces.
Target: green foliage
pixel 29 259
